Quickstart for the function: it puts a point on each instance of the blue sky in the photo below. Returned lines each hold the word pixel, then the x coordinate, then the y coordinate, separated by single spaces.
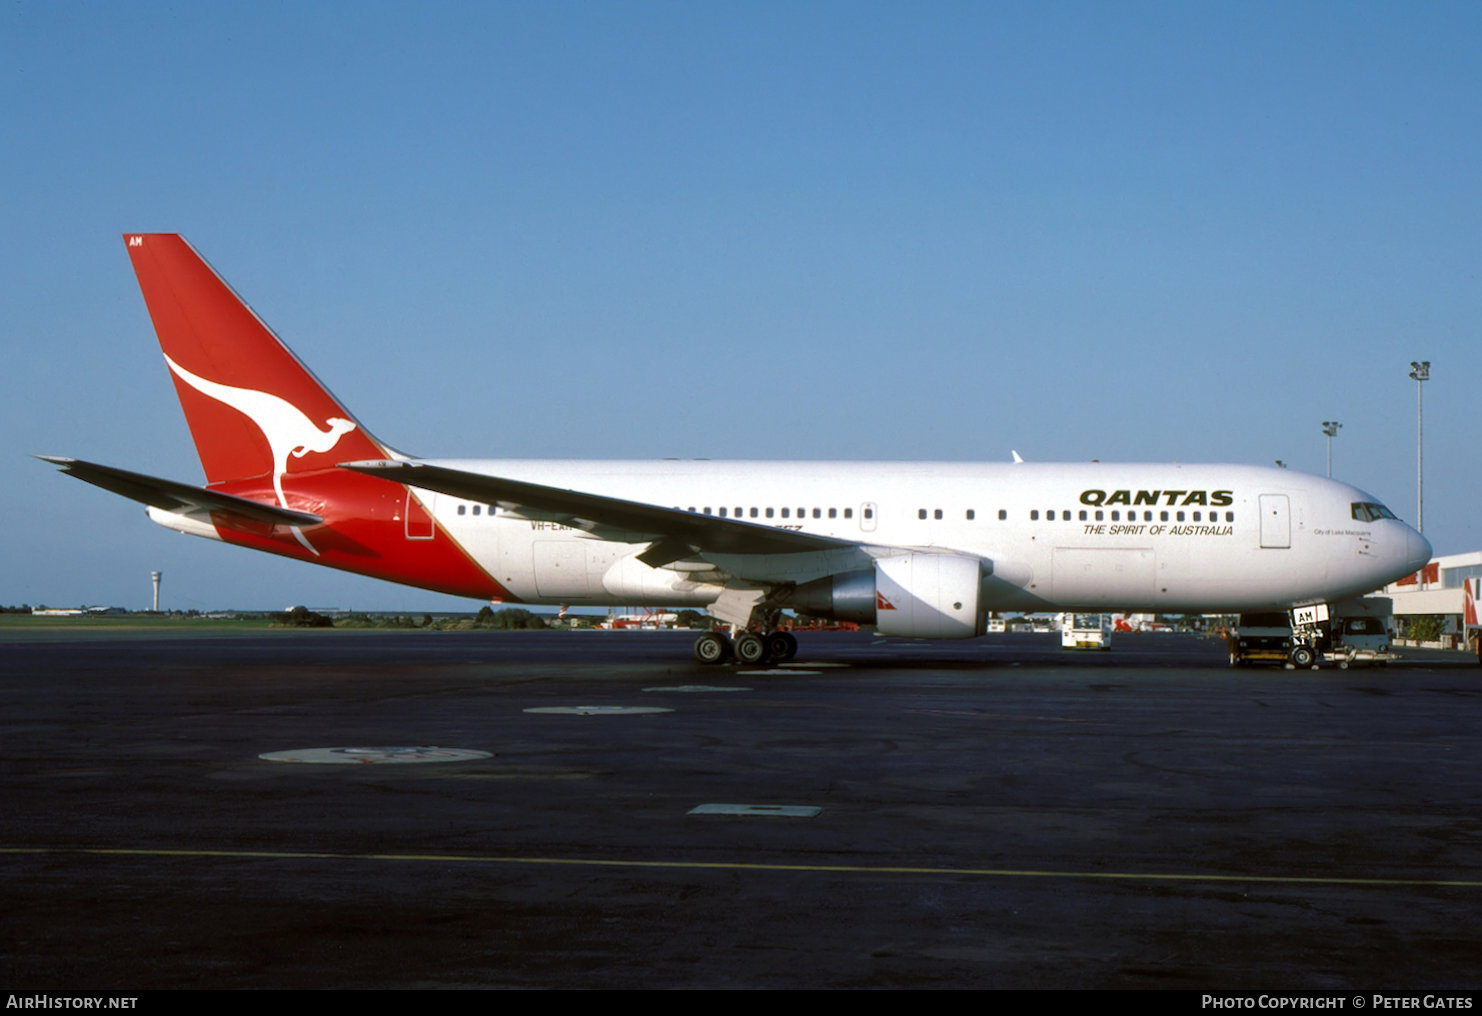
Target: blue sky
pixel 1135 231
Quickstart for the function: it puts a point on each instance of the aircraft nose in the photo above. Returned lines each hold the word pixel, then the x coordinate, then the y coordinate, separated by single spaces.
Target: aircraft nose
pixel 1417 550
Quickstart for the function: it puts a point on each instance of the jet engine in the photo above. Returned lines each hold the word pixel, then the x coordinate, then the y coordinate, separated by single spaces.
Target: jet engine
pixel 916 594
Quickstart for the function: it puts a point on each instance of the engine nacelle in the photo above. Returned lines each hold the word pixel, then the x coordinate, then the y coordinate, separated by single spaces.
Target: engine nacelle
pixel 932 596
pixel 916 594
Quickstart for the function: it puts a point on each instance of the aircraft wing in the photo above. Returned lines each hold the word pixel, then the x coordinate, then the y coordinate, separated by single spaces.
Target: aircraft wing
pixel 181 498
pixel 675 534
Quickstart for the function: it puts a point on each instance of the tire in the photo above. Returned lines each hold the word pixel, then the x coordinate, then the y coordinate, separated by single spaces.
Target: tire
pixel 712 647
pixel 1302 657
pixel 750 648
pixel 781 646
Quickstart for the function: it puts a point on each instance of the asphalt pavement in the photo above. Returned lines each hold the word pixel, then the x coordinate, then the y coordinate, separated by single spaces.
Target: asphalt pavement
pixel 880 813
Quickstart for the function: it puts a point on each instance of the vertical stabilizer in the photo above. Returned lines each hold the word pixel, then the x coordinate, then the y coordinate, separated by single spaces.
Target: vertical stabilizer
pixel 254 410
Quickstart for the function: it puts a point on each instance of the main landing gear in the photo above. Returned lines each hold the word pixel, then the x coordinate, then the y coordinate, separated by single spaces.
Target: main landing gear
pixel 749 647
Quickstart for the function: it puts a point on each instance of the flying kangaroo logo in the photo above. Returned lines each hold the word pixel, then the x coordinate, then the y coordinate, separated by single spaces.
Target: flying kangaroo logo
pixel 287 429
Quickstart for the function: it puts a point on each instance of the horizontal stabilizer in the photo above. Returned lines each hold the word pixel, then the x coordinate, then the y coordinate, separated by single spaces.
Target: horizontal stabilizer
pixel 180 498
pixel 604 517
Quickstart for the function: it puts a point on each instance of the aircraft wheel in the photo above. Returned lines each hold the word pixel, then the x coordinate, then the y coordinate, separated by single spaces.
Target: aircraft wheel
pixel 1302 657
pixel 750 648
pixel 712 647
pixel 781 646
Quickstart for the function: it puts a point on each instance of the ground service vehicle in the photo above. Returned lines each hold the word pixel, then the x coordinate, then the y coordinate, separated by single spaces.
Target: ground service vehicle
pixel 1267 637
pixel 1349 631
pixel 1085 631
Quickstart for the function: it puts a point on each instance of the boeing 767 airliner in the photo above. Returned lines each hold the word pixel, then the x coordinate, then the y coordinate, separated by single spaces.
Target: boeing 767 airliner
pixel 920 549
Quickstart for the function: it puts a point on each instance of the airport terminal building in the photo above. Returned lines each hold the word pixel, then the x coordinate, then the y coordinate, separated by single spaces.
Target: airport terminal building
pixel 1437 588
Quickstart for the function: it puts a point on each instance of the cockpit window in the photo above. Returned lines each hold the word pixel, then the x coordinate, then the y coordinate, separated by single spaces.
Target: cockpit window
pixel 1370 511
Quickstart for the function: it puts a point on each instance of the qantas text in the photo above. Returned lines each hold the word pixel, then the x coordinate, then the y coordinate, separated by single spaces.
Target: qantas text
pixel 1097 498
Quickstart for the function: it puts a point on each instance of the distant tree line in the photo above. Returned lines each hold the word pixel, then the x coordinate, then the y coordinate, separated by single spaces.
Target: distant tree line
pixel 508 619
pixel 303 617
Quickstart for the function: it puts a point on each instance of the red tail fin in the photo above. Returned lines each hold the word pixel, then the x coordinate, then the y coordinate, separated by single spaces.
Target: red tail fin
pixel 253 408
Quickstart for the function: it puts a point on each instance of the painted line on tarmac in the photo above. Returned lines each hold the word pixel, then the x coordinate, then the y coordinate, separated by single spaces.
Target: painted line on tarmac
pixel 598 710
pixel 858 869
pixel 391 754
pixel 757 810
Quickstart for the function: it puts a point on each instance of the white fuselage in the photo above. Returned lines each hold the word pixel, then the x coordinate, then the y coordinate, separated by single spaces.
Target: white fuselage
pixel 1170 538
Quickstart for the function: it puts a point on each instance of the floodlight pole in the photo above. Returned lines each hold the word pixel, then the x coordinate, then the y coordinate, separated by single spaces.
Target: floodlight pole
pixel 1330 428
pixel 1421 372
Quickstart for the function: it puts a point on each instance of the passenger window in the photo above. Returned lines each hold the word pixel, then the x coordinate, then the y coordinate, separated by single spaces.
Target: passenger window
pixel 1034 515
pixel 970 515
pixel 921 513
pixel 769 513
pixel 1098 515
pixel 476 509
pixel 1003 514
pixel 937 514
pixel 849 513
pixel 462 508
pixel 817 513
pixel 784 513
pixel 833 513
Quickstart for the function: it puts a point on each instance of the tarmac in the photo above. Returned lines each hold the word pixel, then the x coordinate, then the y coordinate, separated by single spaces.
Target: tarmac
pixel 880 813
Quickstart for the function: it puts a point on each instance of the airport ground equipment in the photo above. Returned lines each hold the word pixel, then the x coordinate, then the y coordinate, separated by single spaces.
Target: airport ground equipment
pixel 1348 631
pixel 1085 631
pixel 1266 638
